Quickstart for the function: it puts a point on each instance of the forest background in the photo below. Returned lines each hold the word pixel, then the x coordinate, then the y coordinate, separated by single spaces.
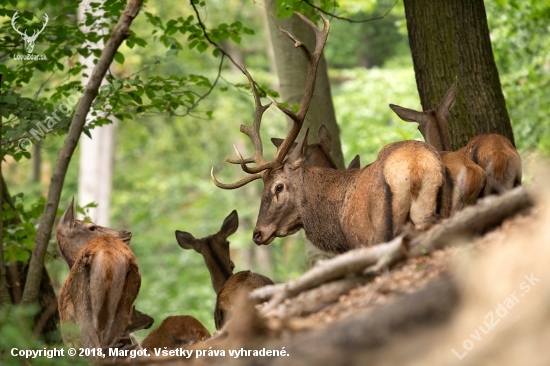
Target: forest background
pixel 168 136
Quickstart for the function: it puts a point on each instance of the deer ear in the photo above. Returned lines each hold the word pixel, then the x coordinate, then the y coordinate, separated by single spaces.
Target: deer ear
pixel 230 224
pixel 448 101
pixel 69 215
pixel 409 115
pixel 276 141
pixel 355 163
pixel 298 155
pixel 324 137
pixel 187 241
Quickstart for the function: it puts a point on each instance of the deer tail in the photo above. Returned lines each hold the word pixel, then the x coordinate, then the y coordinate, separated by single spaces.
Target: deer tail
pixel 500 164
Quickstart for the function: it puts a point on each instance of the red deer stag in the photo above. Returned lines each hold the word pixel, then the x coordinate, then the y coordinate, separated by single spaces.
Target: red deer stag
pixel 338 209
pixel 103 282
pixel 466 178
pixel 176 332
pixel 215 251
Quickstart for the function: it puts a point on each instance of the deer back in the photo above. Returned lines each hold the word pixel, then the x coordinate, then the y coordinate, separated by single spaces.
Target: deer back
pixel 214 249
pixel 500 160
pixel 176 332
pixel 464 179
pixel 96 300
pixel 99 293
pixel 243 281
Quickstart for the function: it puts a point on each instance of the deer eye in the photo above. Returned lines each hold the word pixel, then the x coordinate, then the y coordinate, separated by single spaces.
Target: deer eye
pixel 92 228
pixel 279 188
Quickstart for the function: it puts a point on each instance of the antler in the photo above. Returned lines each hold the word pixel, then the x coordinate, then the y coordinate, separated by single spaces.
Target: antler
pixel 13 19
pixel 253 131
pixel 311 74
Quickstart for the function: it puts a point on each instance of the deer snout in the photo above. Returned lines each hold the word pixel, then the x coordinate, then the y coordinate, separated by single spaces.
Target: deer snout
pixel 257 237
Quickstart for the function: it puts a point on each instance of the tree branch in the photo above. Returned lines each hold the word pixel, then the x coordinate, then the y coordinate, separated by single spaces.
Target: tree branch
pixel 347 19
pixel 119 34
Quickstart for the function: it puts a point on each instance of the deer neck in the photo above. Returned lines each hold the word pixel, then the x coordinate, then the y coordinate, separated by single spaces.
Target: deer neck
pixel 219 273
pixel 324 192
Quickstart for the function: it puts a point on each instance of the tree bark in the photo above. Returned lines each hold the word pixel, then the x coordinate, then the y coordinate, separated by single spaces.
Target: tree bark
pixel 119 34
pixel 291 68
pixel 448 39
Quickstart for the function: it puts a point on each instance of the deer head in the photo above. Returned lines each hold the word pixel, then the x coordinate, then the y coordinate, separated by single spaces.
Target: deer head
pixel 73 234
pixel 432 124
pixel 278 215
pixel 29 40
pixel 214 249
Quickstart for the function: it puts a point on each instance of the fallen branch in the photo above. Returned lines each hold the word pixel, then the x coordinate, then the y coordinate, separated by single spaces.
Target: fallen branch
pixel 315 299
pixel 473 220
pixel 351 262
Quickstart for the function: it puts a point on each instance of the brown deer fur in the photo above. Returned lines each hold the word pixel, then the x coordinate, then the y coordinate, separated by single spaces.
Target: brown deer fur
pixel 500 160
pixel 245 281
pixel 340 210
pixel 103 282
pixel 215 251
pixel 467 179
pixel 176 332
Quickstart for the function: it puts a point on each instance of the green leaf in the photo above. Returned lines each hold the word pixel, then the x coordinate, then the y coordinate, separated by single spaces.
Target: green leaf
pixel 202 46
pixel 216 52
pixel 119 57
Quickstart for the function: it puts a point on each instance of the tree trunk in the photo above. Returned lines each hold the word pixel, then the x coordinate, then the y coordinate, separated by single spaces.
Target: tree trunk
pixel 36 162
pixel 96 154
pixel 291 67
pixel 448 39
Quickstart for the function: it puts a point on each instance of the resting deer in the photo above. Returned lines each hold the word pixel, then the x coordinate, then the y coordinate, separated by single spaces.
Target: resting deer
pixel 338 209
pixel 103 282
pixel 318 154
pixel 176 332
pixel 215 251
pixel 467 179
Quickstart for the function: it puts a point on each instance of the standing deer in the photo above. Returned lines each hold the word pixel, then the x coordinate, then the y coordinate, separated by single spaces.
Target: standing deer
pixel 494 153
pixel 103 282
pixel 338 209
pixel 215 251
pixel 466 179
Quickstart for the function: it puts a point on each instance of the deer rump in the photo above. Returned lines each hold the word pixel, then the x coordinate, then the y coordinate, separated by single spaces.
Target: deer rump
pixel 104 282
pixel 371 205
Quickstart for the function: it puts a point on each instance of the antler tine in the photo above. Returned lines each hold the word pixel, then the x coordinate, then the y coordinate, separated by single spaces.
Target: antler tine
pixel 311 74
pixel 253 131
pixel 237 184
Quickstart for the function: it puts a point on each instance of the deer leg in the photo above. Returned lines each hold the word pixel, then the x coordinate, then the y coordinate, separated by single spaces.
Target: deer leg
pixel 424 205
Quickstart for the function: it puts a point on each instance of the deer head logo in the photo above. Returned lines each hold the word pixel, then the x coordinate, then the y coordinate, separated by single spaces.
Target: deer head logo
pixel 29 40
